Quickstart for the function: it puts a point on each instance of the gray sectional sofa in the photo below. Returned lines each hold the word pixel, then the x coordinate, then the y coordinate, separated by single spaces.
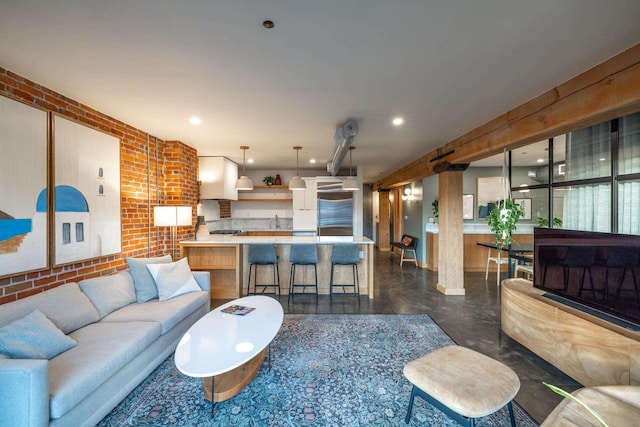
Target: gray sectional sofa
pixel 119 342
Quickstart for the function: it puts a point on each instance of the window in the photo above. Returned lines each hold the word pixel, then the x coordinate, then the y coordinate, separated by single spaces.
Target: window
pixel 585 207
pixel 629 145
pixel 79 232
pixel 629 207
pixel 66 233
pixel 586 153
pixel 594 183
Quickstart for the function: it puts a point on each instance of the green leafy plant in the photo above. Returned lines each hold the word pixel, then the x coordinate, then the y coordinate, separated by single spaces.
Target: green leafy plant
pixel 563 393
pixel 434 207
pixel 544 222
pixel 269 180
pixel 502 220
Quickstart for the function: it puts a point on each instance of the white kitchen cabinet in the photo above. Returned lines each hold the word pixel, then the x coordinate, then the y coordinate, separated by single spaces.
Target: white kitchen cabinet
pixel 305 220
pixel 218 176
pixel 306 199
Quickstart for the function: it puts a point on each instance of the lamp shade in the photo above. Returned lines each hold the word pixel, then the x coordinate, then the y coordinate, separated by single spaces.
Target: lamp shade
pixel 351 184
pixel 244 183
pixel 167 216
pixel 297 183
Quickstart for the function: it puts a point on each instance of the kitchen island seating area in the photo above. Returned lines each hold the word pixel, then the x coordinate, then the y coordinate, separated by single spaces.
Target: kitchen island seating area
pixel 226 258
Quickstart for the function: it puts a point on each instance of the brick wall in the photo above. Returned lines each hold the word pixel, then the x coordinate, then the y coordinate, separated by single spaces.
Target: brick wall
pixel 141 188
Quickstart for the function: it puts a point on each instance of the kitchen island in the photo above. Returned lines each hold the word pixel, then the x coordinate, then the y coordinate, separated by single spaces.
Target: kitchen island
pixel 225 258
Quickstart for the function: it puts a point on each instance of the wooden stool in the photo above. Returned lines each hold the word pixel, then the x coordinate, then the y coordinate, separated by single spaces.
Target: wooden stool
pixel 462 383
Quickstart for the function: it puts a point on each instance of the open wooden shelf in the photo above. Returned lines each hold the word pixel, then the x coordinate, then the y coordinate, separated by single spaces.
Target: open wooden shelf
pixel 275 199
pixel 271 186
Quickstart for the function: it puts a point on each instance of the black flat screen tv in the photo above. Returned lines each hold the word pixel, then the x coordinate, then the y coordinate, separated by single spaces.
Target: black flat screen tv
pixel 598 270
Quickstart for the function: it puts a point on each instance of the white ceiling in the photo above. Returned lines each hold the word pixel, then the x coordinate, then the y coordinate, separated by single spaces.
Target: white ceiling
pixel 446 66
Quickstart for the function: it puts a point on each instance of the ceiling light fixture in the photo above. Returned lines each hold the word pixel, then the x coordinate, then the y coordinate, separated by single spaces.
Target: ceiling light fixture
pixel 540 160
pixel 351 183
pixel 268 24
pixel 296 182
pixel 312 160
pixel 398 121
pixel 244 182
pixel 194 120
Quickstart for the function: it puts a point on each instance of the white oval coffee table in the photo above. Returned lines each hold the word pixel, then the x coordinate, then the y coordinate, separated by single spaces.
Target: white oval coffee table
pixel 227 350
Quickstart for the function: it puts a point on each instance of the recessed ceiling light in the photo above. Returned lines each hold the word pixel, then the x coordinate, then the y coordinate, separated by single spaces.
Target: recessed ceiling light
pixel 540 160
pixel 249 160
pixel 268 24
pixel 398 121
pixel 194 120
pixel 312 160
pixel 602 159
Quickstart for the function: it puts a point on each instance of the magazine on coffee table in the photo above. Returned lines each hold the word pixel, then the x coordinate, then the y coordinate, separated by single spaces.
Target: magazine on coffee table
pixel 238 310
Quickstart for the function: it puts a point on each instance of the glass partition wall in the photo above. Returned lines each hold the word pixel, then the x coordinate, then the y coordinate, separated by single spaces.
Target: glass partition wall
pixel 585 180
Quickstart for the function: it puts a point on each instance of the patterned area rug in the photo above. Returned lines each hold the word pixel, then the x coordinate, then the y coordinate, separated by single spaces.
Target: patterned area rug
pixel 327 370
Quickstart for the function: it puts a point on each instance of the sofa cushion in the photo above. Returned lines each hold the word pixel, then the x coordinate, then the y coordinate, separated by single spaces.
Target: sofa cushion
pixel 55 304
pixel 143 282
pixel 109 293
pixel 33 337
pixel 173 279
pixel 168 313
pixel 102 350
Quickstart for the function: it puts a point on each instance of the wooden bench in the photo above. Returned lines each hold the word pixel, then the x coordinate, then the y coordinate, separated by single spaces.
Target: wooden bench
pixel 407 244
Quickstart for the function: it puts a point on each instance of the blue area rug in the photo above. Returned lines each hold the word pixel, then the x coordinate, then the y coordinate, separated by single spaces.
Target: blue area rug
pixel 327 370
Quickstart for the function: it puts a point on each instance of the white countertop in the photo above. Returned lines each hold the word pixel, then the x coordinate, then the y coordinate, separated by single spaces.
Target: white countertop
pixel 281 240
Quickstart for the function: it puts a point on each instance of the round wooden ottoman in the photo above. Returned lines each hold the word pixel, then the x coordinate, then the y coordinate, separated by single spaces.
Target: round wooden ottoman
pixel 462 383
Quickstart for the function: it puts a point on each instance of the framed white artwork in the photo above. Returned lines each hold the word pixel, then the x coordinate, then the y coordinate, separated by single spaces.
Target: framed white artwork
pixel 23 188
pixel 86 193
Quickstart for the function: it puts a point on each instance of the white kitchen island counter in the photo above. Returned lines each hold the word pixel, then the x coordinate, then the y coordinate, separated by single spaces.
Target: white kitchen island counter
pixel 225 257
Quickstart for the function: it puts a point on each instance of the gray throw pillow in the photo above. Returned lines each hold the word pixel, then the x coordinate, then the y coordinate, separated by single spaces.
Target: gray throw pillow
pixel 142 281
pixel 33 337
pixel 109 293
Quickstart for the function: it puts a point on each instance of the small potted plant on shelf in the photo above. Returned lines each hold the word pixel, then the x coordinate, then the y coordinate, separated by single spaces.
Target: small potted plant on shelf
pixel 269 180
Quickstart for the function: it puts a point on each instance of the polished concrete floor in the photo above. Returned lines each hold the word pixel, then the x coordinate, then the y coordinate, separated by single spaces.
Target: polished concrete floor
pixel 472 320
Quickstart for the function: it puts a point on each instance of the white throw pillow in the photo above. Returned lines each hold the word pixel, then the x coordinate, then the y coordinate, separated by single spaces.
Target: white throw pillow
pixel 173 279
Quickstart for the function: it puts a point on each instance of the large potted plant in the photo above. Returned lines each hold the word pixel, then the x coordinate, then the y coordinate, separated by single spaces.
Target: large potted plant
pixel 503 217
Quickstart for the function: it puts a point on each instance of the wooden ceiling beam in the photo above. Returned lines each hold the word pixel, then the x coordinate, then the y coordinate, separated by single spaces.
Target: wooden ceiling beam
pixel 604 92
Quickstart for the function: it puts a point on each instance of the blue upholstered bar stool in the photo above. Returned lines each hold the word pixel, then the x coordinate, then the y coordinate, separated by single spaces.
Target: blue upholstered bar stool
pixel 345 255
pixel 305 254
pixel 263 254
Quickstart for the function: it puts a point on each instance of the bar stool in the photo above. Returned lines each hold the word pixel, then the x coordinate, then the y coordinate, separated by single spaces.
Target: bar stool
pixel 263 254
pixel 345 255
pixel 303 255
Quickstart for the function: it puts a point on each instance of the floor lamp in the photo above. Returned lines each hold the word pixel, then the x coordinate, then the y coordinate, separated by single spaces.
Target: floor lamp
pixel 172 216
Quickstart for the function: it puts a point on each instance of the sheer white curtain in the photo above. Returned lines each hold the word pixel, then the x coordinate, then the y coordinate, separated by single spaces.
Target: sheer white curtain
pixel 629 162
pixel 588 207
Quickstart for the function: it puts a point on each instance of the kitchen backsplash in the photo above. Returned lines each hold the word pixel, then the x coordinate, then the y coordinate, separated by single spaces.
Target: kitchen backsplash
pixel 250 224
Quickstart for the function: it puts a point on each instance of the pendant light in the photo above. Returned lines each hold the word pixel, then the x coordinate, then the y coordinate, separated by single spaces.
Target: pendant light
pixel 296 182
pixel 244 182
pixel 351 183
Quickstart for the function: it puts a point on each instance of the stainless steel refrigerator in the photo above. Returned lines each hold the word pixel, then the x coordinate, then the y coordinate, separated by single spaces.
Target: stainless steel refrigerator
pixel 335 214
